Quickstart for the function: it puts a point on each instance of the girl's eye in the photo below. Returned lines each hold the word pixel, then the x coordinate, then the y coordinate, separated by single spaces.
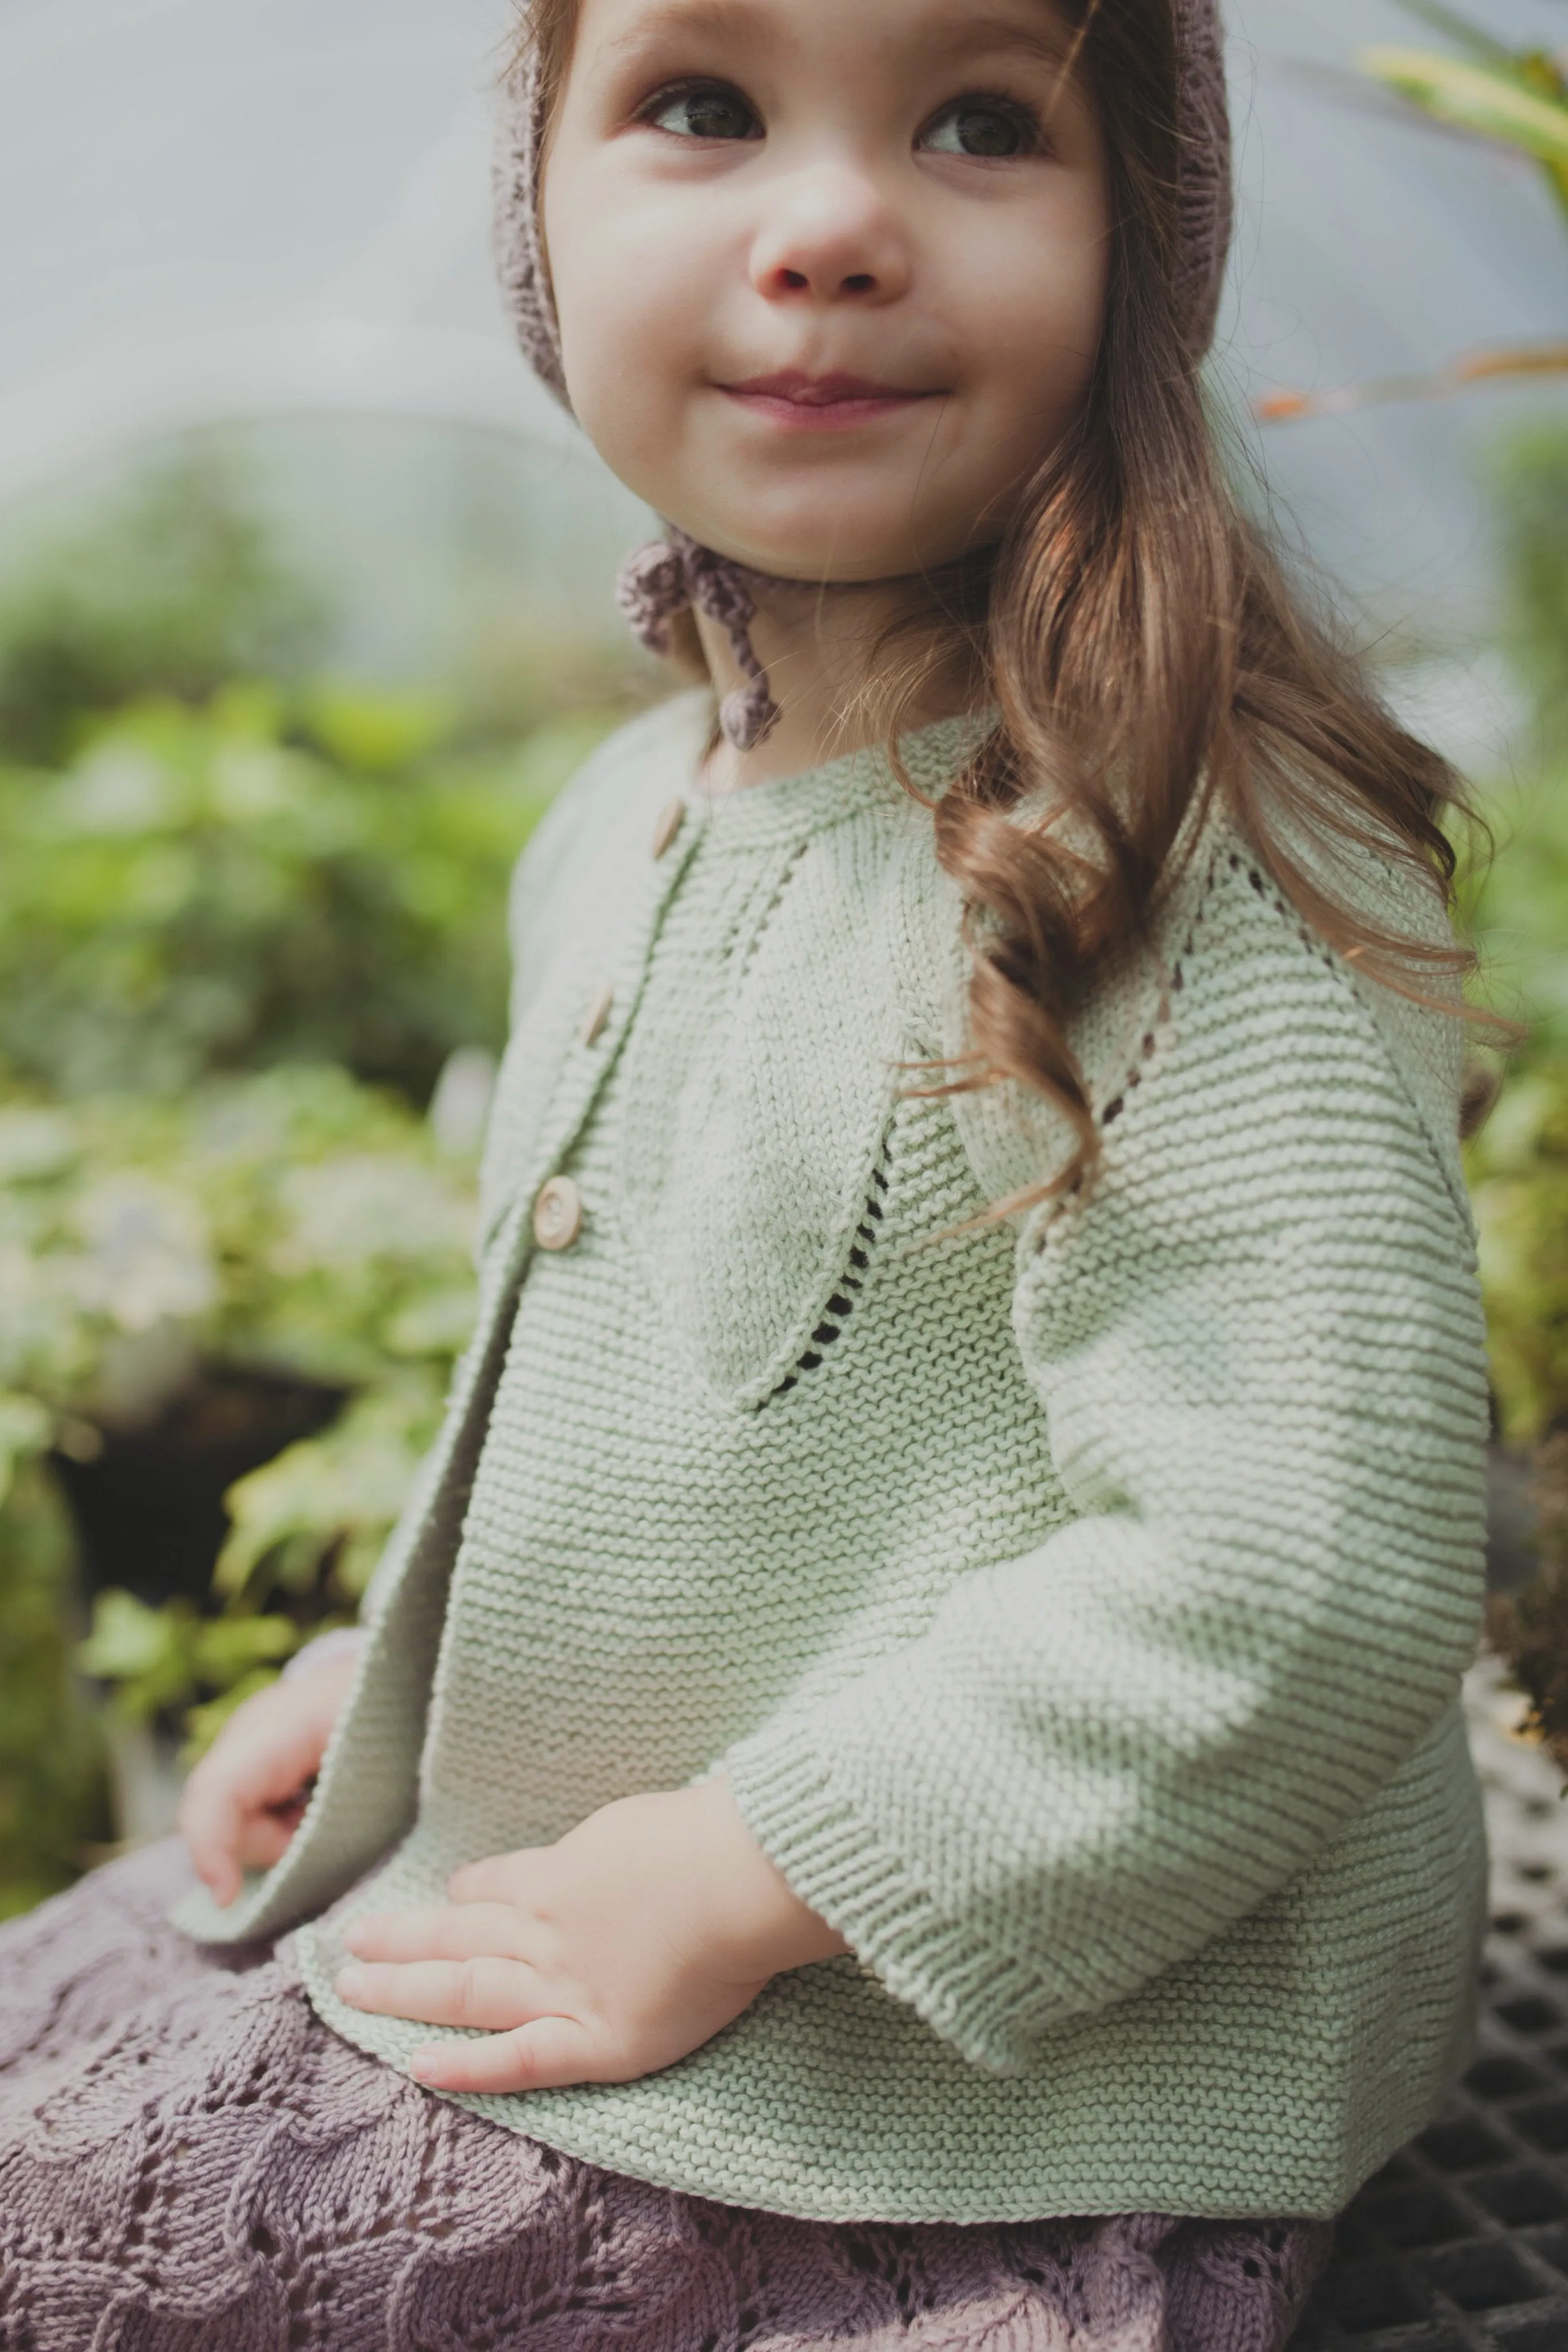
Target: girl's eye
pixel 709 110
pixel 982 126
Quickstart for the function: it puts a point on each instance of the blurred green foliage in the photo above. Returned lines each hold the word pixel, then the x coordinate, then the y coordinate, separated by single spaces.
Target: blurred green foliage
pixel 157 1660
pixel 1519 912
pixel 1518 1164
pixel 1519 1169
pixel 259 880
pixel 293 1221
pixel 247 915
pixel 173 590
pixel 1517 98
pixel 1530 484
pixel 1519 1180
pixel 1517 904
pixel 53 1802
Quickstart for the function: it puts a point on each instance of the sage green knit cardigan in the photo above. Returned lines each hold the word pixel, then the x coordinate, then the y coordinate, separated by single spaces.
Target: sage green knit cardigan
pixel 1077 1603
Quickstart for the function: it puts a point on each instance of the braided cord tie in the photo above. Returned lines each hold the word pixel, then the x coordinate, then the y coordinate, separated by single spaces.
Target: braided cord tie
pixel 674 575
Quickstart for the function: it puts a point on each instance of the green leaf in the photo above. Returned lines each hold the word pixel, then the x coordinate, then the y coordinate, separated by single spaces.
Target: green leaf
pixel 330 1502
pixel 223 1650
pixel 146 1654
pixel 26 1428
pixel 376 733
pixel 1518 1181
pixel 1461 29
pixel 1496 103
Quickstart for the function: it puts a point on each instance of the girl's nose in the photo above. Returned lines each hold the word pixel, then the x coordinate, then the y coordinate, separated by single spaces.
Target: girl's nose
pixel 833 239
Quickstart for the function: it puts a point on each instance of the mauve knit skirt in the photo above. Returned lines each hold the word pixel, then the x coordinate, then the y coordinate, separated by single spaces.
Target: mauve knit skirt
pixel 189 2161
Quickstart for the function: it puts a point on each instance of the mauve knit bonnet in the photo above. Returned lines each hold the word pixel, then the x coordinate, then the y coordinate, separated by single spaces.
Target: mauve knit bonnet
pixel 664 579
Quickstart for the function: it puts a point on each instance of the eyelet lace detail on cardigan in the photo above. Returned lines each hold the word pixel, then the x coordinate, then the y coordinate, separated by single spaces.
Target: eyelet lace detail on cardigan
pixel 852 1281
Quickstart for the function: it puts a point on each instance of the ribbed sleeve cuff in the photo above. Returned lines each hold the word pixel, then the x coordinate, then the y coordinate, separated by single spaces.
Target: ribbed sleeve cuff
pixel 987 2003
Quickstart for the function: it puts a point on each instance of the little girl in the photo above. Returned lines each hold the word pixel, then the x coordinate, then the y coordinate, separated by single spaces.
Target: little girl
pixel 902 1780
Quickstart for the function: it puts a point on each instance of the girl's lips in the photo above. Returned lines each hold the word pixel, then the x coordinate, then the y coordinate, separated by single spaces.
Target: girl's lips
pixel 819 404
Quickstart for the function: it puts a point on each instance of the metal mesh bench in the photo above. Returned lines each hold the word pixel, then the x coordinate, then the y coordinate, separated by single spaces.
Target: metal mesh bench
pixel 1461 2243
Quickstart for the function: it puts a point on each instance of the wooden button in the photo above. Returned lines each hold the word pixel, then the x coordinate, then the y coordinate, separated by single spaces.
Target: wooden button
pixel 598 1014
pixel 669 824
pixel 557 1213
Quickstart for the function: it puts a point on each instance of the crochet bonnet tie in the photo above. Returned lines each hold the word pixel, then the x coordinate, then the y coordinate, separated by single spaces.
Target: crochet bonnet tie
pixel 676 574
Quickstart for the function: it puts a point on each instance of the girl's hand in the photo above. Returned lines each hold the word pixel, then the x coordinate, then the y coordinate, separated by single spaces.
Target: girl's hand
pixel 244 1800
pixel 607 1955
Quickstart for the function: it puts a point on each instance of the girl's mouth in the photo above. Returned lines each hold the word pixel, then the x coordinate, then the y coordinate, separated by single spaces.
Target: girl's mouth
pixel 799 402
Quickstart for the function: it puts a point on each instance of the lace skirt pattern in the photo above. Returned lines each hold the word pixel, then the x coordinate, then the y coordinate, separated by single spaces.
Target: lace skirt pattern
pixel 189 2161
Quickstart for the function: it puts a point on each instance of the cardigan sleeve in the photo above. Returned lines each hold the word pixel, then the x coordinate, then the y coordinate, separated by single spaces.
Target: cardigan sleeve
pixel 1258 1344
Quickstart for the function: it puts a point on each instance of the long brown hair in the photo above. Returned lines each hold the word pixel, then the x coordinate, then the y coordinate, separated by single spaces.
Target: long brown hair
pixel 1143 645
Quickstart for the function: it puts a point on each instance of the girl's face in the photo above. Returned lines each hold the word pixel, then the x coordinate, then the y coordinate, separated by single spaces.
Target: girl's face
pixel 830 274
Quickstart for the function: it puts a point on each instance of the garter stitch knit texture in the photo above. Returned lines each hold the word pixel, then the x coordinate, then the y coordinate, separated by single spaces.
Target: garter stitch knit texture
pixel 1077 1606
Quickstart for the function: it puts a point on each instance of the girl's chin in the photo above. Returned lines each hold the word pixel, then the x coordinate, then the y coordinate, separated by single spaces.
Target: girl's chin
pixel 818 555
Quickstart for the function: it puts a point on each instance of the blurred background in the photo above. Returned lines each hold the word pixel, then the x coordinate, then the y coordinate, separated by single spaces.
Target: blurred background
pixel 306 612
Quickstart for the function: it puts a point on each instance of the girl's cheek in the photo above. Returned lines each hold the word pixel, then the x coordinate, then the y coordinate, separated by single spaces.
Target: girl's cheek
pixel 1037 316
pixel 656 304
pixel 625 370
pixel 638 303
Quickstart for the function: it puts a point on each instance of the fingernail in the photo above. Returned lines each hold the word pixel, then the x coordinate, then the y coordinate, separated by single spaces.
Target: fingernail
pixel 425 2065
pixel 350 1983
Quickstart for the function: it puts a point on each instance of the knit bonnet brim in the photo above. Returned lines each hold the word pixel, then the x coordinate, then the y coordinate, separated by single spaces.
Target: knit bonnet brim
pixel 676 574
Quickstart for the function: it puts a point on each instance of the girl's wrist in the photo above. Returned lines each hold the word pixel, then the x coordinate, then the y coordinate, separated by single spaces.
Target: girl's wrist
pixel 762 1926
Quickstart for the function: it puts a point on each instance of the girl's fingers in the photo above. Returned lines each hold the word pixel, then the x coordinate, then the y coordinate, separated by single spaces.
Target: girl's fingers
pixel 491 1993
pixel 264 1839
pixel 467 1931
pixel 547 2054
pixel 244 1801
pixel 227 1833
pixel 210 1823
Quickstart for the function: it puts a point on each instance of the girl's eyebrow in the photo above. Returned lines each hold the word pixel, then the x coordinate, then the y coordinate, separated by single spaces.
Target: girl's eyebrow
pixel 1045 39
pixel 717 18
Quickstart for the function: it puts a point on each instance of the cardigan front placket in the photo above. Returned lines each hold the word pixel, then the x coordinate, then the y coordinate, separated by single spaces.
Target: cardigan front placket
pixel 377 1744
